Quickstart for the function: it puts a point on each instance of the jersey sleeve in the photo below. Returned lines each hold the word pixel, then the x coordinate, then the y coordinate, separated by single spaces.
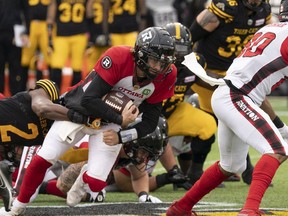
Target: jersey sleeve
pixel 110 65
pixel 50 88
pixel 225 10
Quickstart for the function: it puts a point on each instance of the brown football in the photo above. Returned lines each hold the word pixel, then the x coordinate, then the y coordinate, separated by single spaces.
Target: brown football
pixel 117 101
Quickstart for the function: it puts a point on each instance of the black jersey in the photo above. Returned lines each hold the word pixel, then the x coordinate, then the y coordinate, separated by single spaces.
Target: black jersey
pixel 235 30
pixel 185 79
pixel 19 125
pixel 37 10
pixel 71 17
pixel 95 23
pixel 123 16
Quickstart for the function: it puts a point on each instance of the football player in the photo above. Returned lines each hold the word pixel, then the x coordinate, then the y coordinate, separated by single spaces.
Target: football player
pixel 26 119
pixel 136 159
pixel 126 18
pixel 260 67
pixel 184 119
pixel 99 38
pixel 219 29
pixel 12 15
pixel 146 74
pixel 38 36
pixel 70 39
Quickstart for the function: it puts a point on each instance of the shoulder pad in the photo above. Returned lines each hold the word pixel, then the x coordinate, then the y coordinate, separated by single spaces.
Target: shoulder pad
pixel 50 87
pixel 224 9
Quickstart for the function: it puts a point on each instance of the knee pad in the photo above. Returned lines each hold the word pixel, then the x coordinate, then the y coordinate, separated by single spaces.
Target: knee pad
pixel 202 146
pixel 96 185
pixel 235 167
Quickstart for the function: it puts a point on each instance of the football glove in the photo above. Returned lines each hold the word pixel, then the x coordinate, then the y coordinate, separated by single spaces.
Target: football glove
pixel 175 175
pixel 77 117
pixel 146 198
pixel 102 40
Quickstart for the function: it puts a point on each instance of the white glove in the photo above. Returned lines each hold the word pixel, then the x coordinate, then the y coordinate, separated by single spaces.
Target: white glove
pixel 284 132
pixel 148 198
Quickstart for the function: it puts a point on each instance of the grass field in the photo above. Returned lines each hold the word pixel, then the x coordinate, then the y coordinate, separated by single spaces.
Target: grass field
pixel 230 197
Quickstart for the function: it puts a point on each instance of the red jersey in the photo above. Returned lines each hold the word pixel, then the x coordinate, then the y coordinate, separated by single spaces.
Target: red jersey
pixel 116 66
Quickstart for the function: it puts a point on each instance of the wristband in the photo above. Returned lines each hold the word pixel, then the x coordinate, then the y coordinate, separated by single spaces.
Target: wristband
pixel 143 193
pixel 50 27
pixel 127 135
pixel 277 122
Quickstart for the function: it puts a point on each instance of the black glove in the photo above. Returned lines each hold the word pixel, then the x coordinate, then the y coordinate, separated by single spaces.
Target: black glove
pixel 77 117
pixel 175 175
pixel 178 179
pixel 102 40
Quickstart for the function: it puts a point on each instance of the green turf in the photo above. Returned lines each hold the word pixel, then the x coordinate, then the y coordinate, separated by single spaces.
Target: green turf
pixel 234 192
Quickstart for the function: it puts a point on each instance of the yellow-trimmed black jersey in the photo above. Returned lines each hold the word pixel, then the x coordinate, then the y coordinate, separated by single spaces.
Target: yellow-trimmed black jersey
pixel 123 16
pixel 95 24
pixel 50 88
pixel 71 17
pixel 236 28
pixel 37 9
pixel 19 125
pixel 185 79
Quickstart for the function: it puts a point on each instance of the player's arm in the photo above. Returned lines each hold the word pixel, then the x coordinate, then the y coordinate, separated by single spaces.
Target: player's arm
pixel 42 103
pixel 43 106
pixel 139 180
pixel 51 14
pixel 205 23
pixel 140 184
pixel 143 14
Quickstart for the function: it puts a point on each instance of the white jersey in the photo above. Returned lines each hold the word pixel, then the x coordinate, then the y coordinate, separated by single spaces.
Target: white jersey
pixel 263 63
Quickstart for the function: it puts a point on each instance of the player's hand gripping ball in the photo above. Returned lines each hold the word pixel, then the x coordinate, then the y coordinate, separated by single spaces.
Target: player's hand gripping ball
pixel 117 101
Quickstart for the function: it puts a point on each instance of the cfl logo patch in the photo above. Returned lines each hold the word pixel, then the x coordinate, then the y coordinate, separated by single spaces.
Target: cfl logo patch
pixel 106 62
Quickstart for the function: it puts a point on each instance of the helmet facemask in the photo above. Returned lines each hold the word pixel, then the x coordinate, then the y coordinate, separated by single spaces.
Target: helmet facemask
pixel 182 39
pixel 283 11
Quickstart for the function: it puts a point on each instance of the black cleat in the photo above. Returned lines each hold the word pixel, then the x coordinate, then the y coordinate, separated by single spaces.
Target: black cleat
pixel 6 190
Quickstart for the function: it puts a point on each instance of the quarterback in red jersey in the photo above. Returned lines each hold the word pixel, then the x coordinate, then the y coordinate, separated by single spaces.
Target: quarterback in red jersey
pixel 145 74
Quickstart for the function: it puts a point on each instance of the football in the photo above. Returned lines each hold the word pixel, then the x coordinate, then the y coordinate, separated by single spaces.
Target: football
pixel 117 101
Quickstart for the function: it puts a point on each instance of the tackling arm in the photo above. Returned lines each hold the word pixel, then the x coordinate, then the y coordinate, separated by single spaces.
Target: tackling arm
pixel 43 106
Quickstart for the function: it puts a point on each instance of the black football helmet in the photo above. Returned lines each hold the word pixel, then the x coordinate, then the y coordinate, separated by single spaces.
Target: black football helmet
pixel 151 146
pixel 253 5
pixel 283 11
pixel 182 39
pixel 155 43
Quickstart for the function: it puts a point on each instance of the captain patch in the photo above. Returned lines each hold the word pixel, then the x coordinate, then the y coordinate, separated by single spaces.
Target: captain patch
pixel 106 62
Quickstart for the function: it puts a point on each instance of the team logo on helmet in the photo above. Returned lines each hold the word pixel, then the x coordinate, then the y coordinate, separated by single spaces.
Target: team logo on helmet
pixel 106 62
